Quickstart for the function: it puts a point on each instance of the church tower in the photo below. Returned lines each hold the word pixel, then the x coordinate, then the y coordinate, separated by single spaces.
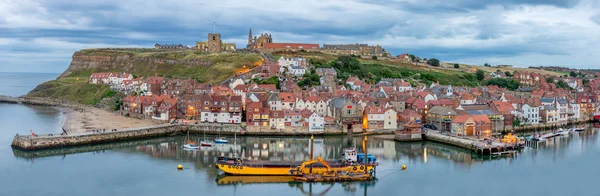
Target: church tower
pixel 214 42
pixel 249 46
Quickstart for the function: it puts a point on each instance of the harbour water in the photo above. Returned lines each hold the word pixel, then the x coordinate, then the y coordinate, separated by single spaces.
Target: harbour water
pixel 560 166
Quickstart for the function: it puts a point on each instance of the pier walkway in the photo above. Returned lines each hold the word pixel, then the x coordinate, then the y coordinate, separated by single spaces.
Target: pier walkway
pixel 477 146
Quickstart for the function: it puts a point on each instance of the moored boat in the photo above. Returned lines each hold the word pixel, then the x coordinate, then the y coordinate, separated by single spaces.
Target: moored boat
pixel 205 143
pixel 563 132
pixel 576 129
pixel 221 141
pixel 190 146
pixel 350 162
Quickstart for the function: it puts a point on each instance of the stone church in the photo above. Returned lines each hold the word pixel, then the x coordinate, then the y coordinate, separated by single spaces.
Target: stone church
pixel 258 42
pixel 214 44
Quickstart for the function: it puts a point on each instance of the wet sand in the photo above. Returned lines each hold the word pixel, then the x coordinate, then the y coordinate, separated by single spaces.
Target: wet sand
pixel 89 119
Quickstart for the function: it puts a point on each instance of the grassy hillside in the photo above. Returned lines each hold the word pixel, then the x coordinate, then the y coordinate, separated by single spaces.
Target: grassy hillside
pixel 210 68
pixel 373 70
pixel 72 89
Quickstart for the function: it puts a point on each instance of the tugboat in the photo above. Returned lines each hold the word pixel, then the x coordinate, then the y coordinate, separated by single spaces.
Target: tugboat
pixel 349 163
pixel 331 175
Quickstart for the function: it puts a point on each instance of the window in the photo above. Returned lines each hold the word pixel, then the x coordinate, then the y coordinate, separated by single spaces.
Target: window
pixel 214 37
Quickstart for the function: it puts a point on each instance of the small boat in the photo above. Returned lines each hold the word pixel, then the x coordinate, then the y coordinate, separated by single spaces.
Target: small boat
pixel 563 132
pixel 190 146
pixel 575 129
pixel 205 143
pixel 221 141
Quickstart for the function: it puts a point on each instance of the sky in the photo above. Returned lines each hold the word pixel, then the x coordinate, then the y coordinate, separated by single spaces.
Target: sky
pixel 41 35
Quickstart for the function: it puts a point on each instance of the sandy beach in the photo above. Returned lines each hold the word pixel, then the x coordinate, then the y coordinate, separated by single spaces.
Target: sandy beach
pixel 88 119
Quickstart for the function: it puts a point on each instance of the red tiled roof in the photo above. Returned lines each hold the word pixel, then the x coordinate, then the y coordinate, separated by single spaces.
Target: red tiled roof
pixel 461 118
pixel 375 110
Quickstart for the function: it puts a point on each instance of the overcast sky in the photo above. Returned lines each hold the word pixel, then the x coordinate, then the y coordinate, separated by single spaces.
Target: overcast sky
pixel 41 36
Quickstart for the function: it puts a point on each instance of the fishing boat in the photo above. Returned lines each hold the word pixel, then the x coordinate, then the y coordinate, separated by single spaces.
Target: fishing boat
pixel 348 163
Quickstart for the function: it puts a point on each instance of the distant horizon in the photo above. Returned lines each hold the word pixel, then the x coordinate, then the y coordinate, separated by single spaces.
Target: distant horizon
pixel 3 72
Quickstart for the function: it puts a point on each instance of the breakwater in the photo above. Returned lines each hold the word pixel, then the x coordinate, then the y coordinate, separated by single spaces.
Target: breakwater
pixel 40 102
pixel 49 141
pixel 56 141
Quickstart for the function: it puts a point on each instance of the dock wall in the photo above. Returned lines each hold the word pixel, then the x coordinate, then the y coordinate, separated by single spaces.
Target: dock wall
pixel 449 140
pixel 40 142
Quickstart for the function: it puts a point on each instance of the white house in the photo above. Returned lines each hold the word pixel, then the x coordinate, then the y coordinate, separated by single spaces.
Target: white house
pixel 316 123
pixel 430 97
pixel 404 86
pixel 449 91
pixel 562 105
pixel 287 62
pixel 236 82
pixel 531 115
pixel 275 102
pixel 549 114
pixel 375 118
pixel 321 108
pixel 297 70
pixel 575 110
pixel 300 104
pixel 389 121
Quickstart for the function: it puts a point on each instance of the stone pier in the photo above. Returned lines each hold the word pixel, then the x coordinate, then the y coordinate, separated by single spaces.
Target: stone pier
pixel 49 141
pixel 476 146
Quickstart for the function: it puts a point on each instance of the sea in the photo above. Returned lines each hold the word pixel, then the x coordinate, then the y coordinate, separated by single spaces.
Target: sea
pixel 560 166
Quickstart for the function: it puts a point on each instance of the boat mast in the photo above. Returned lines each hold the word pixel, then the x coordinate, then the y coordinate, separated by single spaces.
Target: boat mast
pixel 312 140
pixel 364 144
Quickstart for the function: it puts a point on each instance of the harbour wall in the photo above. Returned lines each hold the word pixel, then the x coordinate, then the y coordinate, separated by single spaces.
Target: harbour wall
pixel 40 102
pixel 49 141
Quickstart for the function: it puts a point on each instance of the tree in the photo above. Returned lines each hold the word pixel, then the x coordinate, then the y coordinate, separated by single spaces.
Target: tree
pixel 386 72
pixel 550 80
pixel 486 65
pixel 412 57
pixel 433 62
pixel 585 81
pixel 516 122
pixel 562 84
pixel 498 71
pixel 480 74
pixel 374 57
pixel 508 74
pixel 456 65
pixel 507 83
pixel 572 74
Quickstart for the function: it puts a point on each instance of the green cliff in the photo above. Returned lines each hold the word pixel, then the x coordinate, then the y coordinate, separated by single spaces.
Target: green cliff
pixel 72 84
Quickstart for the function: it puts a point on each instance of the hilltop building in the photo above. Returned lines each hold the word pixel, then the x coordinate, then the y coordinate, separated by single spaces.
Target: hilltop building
pixel 214 44
pixel 258 42
pixel 354 49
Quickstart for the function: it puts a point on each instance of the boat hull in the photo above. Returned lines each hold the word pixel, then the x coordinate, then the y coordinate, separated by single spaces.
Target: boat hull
pixel 282 170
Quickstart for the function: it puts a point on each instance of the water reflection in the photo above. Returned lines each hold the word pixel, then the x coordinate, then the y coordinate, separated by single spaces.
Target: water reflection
pixel 390 154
